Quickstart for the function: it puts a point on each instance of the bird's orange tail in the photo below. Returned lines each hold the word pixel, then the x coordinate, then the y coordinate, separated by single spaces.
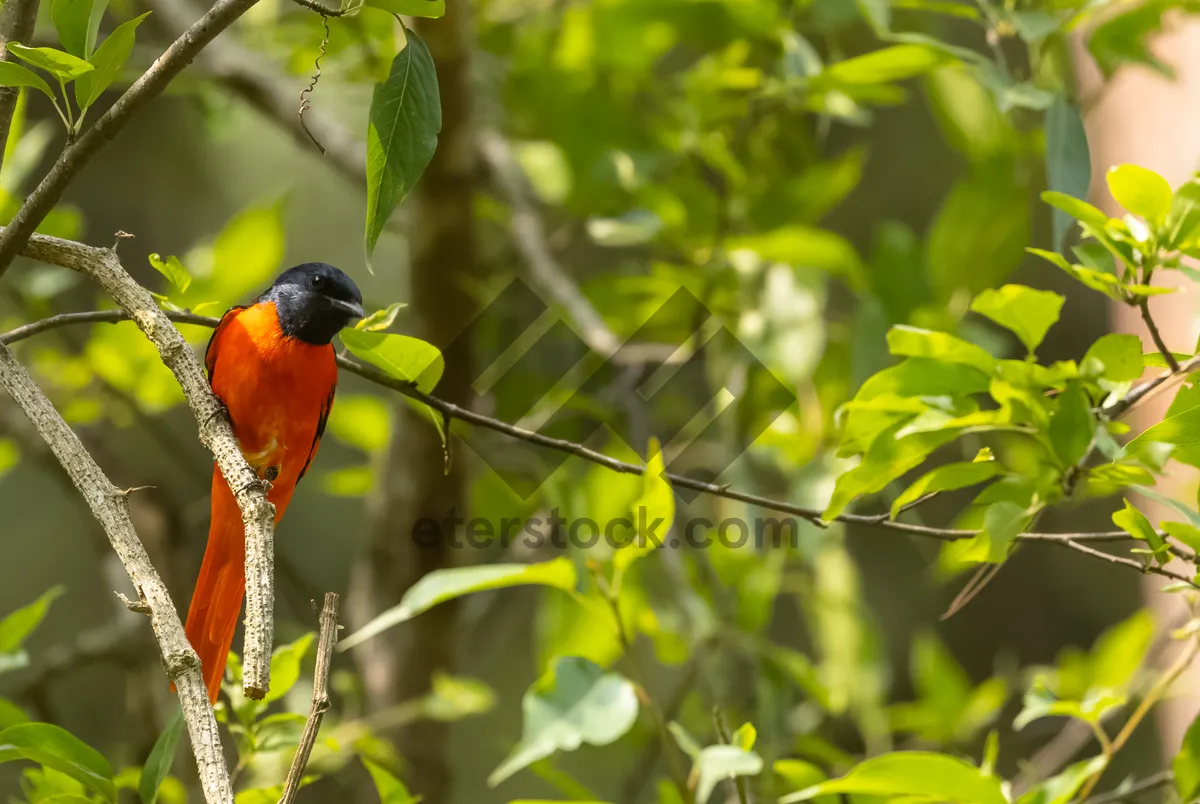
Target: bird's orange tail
pixel 213 612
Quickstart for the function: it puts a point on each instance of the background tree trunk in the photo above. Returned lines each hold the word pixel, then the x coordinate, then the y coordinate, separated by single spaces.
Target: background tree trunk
pixel 399 664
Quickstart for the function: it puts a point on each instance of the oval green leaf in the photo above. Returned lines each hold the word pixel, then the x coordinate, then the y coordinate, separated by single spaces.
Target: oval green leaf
pixel 57 748
pixel 402 134
pixel 62 66
pixel 14 75
pixel 1143 192
pixel 576 702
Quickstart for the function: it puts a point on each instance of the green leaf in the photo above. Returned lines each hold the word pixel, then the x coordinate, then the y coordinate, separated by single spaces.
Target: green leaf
pixel 1077 209
pixel 108 60
pixel 1184 532
pixel 1183 221
pixel 381 319
pixel 14 75
pixel 653 514
pixel 947 478
pixel 402 134
pixel 1120 355
pixel 1027 312
pixel 888 64
pixel 1040 702
pixel 62 66
pixel 447 584
pixel 930 776
pixel 1002 524
pixel 1187 764
pixel 400 356
pixel 1182 430
pixel 162 755
pixel 77 23
pixel 1143 192
pixel 575 702
pixel 1134 522
pixel 716 763
pixel 745 736
pixel 173 270
pixel 429 9
pixel 21 623
pixel 1068 164
pixel 59 749
pixel 920 376
pixel 1071 424
pixel 913 342
pixel 887 458
pixel 390 789
pixel 285 667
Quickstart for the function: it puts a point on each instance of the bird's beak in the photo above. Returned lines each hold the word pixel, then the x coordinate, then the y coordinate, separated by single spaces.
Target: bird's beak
pixel 355 311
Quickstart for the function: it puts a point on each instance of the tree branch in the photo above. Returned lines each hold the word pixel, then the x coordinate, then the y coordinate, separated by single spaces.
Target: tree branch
pixel 216 434
pixel 320 697
pixel 110 506
pixel 1071 541
pixel 1156 336
pixel 76 155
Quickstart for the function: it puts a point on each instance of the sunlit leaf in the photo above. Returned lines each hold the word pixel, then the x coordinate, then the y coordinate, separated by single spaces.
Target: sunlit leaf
pixel 400 356
pixel 1072 424
pixel 912 773
pixel 1186 764
pixel 1080 210
pixel 653 514
pixel 173 270
pixel 108 60
pixel 447 584
pixel 1062 787
pixel 62 66
pixel 913 342
pixel 404 122
pixel 634 228
pixel 77 23
pixel 888 64
pixel 1027 312
pixel 1143 192
pixel 947 478
pixel 1134 522
pixel 575 702
pixel 285 667
pixel 1120 355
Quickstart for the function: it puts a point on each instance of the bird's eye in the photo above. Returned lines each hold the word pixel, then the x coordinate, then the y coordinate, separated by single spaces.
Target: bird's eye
pixel 317 282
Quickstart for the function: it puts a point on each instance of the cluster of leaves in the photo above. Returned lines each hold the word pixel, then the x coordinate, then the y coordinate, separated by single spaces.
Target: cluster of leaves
pixel 91 68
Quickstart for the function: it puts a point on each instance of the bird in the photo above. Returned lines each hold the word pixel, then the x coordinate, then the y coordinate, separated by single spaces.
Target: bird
pixel 271 364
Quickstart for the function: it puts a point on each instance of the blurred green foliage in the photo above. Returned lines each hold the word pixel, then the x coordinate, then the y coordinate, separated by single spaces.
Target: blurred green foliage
pixel 694 144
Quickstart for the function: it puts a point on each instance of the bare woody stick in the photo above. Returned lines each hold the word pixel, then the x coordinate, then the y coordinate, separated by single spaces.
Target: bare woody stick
pixel 320 697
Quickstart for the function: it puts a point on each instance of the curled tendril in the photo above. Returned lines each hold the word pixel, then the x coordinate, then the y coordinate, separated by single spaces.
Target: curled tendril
pixel 307 91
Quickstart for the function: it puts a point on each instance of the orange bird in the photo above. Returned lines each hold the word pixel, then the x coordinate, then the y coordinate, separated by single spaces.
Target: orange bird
pixel 272 365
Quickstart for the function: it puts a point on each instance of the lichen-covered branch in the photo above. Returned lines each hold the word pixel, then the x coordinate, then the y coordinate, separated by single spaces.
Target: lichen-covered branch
pixel 216 434
pixel 111 507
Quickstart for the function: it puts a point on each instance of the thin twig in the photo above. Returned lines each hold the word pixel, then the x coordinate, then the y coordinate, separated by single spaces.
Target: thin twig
pixel 1075 541
pixel 320 697
pixel 79 153
pixel 110 506
pixel 215 431
pixel 1144 307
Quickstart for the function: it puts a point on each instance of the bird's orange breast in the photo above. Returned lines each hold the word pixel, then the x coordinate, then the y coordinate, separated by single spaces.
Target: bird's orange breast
pixel 277 390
